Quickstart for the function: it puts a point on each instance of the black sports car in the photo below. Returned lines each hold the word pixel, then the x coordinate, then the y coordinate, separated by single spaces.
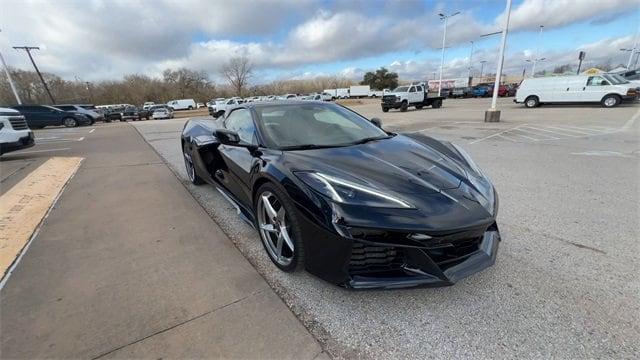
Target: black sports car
pixel 330 191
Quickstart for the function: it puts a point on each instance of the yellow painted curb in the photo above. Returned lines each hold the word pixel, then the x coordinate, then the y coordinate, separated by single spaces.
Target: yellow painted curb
pixel 23 207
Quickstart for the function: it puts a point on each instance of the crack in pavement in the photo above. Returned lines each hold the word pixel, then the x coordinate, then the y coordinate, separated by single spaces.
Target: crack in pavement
pixel 176 325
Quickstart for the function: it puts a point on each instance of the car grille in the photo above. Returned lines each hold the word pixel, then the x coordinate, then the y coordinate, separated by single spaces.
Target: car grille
pixel 389 99
pixel 460 250
pixel 18 123
pixel 370 258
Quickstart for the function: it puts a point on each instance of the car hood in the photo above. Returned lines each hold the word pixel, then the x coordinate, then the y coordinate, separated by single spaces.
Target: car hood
pixel 399 164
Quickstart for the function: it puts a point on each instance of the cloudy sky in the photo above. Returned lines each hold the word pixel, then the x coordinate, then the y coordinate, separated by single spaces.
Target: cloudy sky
pixel 105 39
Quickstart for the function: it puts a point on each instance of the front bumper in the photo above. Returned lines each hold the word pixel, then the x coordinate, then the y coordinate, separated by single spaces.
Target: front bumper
pixel 394 260
pixel 23 142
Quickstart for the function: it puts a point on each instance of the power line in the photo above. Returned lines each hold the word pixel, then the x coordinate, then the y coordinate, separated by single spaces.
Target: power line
pixel 28 50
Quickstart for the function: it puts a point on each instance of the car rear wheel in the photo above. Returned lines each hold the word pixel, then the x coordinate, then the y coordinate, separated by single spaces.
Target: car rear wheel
pixel 279 229
pixel 404 106
pixel 384 109
pixel 436 104
pixel 531 102
pixel 69 122
pixel 610 101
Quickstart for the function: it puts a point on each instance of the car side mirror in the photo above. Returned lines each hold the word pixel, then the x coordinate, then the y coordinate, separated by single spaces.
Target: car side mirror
pixel 377 122
pixel 231 138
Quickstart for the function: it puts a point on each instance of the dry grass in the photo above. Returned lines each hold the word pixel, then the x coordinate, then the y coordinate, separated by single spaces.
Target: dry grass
pixel 191 113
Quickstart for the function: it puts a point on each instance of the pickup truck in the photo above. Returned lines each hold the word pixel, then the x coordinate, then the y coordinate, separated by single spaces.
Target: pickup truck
pixel 220 107
pixel 410 95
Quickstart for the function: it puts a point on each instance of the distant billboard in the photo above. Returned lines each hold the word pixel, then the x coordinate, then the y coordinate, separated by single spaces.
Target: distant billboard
pixel 448 83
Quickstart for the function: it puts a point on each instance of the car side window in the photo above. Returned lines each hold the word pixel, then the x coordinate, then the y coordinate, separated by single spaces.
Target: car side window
pixel 230 102
pixel 240 121
pixel 412 89
pixel 419 89
pixel 597 81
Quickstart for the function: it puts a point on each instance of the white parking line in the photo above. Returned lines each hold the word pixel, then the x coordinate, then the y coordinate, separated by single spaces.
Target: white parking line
pixel 524 136
pixel 40 151
pixel 584 129
pixel 496 134
pixel 537 134
pixel 565 129
pixel 92 130
pixel 553 132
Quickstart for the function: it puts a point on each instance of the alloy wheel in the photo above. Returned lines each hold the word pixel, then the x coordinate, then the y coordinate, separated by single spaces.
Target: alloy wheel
pixel 188 164
pixel 274 229
pixel 70 122
pixel 610 101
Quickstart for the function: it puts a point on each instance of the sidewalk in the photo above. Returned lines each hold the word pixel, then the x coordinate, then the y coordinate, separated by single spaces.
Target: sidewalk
pixel 128 265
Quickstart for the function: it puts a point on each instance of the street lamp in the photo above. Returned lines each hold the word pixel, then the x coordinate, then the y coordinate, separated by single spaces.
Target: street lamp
pixel 482 62
pixel 444 39
pixel 533 68
pixel 632 51
pixel 535 60
pixel 493 115
pixel 470 59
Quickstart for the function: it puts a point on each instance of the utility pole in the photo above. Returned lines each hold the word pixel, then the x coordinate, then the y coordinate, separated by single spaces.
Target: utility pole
pixel 493 115
pixel 482 62
pixel 28 50
pixel 444 39
pixel 13 86
pixel 535 59
pixel 470 62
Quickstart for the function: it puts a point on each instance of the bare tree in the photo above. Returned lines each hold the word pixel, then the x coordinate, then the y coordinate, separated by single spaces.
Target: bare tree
pixel 238 71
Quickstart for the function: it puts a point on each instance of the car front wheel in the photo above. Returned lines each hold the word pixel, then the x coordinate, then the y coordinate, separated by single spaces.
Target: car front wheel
pixel 190 168
pixel 531 102
pixel 610 101
pixel 279 229
pixel 69 122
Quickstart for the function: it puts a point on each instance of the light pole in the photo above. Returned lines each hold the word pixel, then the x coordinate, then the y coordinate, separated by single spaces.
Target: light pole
pixel 533 68
pixel 28 50
pixel 535 59
pixel 13 86
pixel 444 39
pixel 482 62
pixel 493 115
pixel 631 51
pixel 470 62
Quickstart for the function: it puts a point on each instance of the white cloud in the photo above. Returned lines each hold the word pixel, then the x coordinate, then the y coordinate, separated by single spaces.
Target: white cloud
pixel 99 39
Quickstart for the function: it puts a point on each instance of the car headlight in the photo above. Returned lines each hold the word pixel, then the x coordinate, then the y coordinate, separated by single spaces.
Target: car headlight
pixel 347 192
pixel 480 181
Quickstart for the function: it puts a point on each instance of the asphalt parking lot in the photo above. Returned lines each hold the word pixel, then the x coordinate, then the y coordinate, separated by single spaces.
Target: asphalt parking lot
pixel 565 283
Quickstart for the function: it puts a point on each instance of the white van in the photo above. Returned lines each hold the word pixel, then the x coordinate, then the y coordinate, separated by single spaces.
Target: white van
pixel 359 91
pixel 182 104
pixel 342 93
pixel 14 131
pixel 604 89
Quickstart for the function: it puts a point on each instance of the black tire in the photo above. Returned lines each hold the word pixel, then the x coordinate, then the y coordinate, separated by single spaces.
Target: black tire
pixel 190 107
pixel 436 104
pixel 293 224
pixel 69 122
pixel 419 107
pixel 610 101
pixel 404 106
pixel 192 174
pixel 532 101
pixel 384 109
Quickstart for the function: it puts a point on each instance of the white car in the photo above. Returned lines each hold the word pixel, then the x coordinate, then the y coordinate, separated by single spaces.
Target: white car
pixel 162 113
pixel 147 105
pixel 221 107
pixel 182 104
pixel 603 89
pixel 199 105
pixel 14 132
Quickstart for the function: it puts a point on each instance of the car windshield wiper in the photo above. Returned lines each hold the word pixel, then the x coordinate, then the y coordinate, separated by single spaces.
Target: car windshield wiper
pixel 308 146
pixel 368 139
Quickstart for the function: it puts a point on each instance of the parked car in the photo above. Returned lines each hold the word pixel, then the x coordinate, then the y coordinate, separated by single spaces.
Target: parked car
pixel 134 113
pixel 575 89
pixel 342 93
pixel 161 113
pixel 113 113
pixel 77 108
pixel 39 116
pixel 221 107
pixel 351 203
pixel 462 92
pixel 147 105
pixel 200 105
pixel 182 104
pixel 416 95
pixel 14 131
pixel 482 91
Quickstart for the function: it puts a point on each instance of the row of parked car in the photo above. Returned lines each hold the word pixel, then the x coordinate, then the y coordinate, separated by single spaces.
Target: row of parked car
pixel 219 106
pixel 480 90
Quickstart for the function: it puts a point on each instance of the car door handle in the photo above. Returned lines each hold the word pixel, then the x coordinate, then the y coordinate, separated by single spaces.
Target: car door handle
pixel 567 89
pixel 584 88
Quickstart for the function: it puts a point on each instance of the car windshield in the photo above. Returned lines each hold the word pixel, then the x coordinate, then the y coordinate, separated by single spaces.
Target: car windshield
pixel 315 125
pixel 401 89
